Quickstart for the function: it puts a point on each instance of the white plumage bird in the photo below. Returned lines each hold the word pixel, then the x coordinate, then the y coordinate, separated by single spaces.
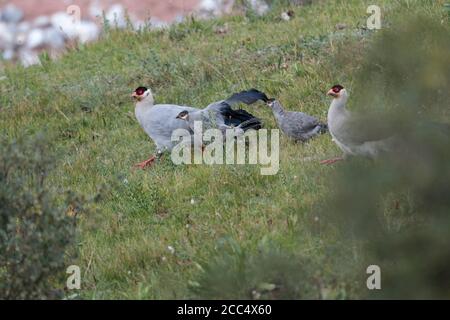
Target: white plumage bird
pixel 357 135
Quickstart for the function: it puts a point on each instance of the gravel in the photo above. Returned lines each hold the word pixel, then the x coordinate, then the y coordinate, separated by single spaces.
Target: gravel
pixel 23 34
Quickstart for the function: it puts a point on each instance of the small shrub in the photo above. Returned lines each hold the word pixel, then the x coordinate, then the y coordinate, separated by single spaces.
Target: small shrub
pixel 35 230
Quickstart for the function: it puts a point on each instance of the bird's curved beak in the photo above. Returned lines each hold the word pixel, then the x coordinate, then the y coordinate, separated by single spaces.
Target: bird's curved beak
pixel 134 95
pixel 332 93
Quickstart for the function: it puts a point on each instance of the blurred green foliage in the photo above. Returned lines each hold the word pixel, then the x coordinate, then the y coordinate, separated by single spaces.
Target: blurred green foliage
pixel 398 207
pixel 267 273
pixel 36 229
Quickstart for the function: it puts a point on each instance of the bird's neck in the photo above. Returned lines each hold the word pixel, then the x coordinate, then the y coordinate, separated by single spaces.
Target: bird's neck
pixel 277 109
pixel 337 108
pixel 145 104
pixel 142 107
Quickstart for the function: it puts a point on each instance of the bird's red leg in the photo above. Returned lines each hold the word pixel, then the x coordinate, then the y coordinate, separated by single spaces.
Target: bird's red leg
pixel 146 163
pixel 331 161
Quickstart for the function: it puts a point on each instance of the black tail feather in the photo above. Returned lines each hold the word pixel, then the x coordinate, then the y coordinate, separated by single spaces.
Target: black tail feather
pixel 253 123
pixel 247 97
pixel 237 117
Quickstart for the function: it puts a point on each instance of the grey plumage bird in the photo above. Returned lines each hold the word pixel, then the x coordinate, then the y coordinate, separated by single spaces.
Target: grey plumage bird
pixel 358 135
pixel 159 121
pixel 298 126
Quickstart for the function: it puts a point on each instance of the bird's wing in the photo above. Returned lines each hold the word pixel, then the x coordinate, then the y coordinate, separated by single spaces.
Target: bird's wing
pixel 253 123
pixel 161 121
pixel 205 117
pixel 358 129
pixel 224 113
pixel 248 97
pixel 300 122
pixel 234 117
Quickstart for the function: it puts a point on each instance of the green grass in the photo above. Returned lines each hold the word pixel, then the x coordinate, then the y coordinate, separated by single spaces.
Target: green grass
pixel 82 102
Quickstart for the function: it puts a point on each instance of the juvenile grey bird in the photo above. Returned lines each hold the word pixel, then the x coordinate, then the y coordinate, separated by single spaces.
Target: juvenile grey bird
pixel 159 121
pixel 357 135
pixel 296 125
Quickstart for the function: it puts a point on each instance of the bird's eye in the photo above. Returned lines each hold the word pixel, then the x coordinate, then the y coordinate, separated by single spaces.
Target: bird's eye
pixel 336 89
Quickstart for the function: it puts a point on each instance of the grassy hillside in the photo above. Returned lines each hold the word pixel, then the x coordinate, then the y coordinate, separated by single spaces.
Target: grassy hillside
pixel 234 232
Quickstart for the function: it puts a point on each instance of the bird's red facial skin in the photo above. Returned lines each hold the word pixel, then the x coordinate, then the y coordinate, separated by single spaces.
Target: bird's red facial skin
pixel 335 90
pixel 332 93
pixel 138 94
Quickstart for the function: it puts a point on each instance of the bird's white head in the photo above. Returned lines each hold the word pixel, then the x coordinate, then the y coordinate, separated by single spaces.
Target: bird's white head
pixel 338 92
pixel 143 94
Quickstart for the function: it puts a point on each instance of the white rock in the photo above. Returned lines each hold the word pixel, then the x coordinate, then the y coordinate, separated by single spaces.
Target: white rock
pixel 28 57
pixel 54 38
pixel 171 249
pixel 41 21
pixel 65 23
pixel 24 26
pixel 95 9
pixel 36 38
pixel 259 6
pixel 88 31
pixel 21 38
pixel 207 8
pixel 209 5
pixel 116 16
pixel 11 14
pixel 8 54
pixel 156 23
pixel 6 36
pixel 285 16
pixel 83 30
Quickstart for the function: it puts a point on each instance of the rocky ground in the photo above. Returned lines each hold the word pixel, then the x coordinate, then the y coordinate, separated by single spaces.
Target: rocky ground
pixel 27 27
